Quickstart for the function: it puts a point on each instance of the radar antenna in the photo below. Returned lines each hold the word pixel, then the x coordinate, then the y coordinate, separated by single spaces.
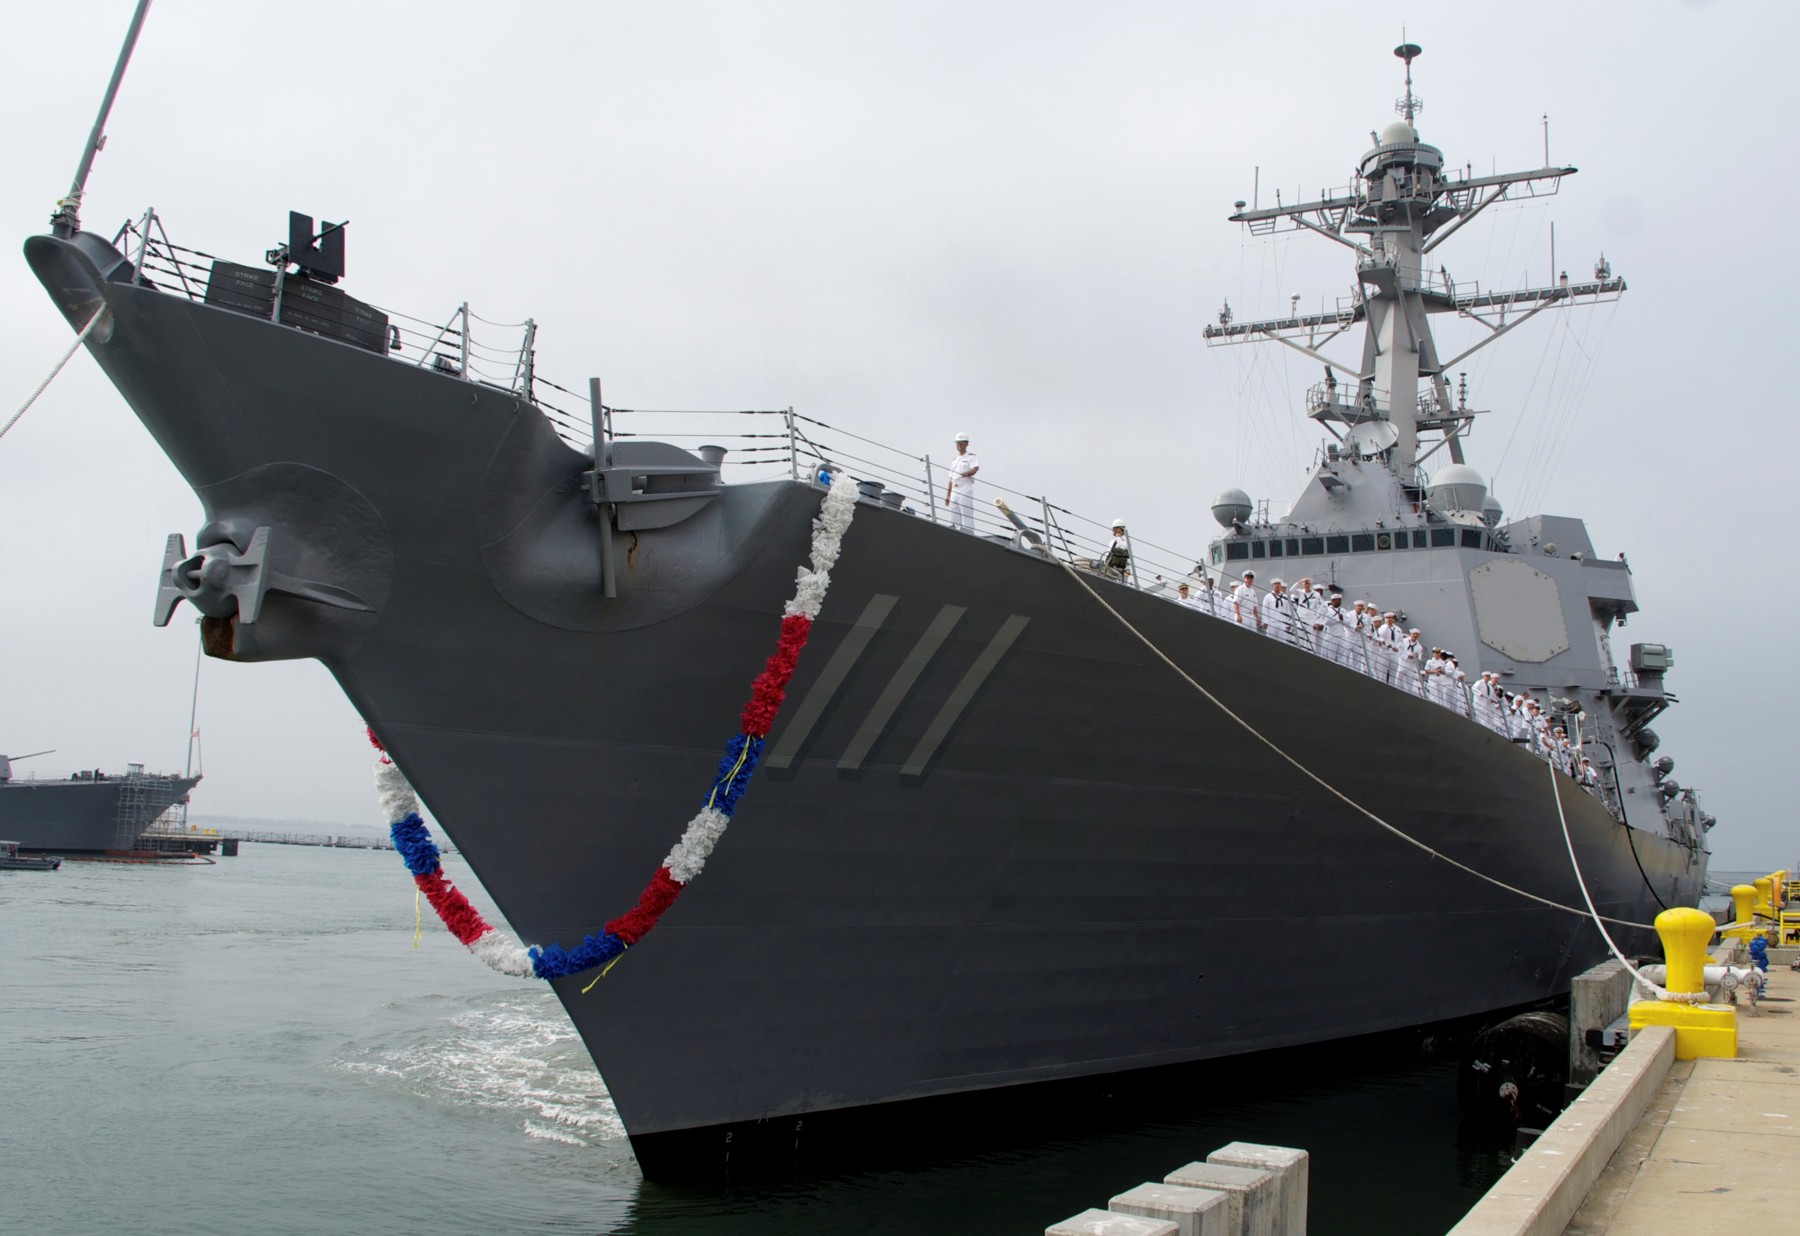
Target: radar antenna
pixel 1409 105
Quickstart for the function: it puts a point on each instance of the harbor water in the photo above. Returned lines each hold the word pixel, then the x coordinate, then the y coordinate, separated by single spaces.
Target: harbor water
pixel 258 1046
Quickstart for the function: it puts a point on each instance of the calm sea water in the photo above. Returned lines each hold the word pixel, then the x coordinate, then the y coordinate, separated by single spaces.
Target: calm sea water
pixel 256 1046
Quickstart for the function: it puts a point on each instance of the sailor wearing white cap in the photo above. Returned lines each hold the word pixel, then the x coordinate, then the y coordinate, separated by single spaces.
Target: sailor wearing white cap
pixel 959 494
pixel 1309 617
pixel 1388 639
pixel 1118 551
pixel 1278 613
pixel 1412 658
pixel 1243 602
pixel 1335 639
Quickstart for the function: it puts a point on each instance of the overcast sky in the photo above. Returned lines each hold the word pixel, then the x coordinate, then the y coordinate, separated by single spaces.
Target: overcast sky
pixel 908 219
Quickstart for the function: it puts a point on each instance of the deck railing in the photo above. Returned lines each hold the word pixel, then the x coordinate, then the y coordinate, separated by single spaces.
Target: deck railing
pixel 764 444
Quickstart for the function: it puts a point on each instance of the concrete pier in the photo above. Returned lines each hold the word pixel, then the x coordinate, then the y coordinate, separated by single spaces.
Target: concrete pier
pixel 1719 1146
pixel 1657 1145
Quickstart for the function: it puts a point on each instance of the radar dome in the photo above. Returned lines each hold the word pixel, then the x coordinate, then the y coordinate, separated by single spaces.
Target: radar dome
pixel 1457 487
pixel 1492 512
pixel 1232 506
pixel 1397 133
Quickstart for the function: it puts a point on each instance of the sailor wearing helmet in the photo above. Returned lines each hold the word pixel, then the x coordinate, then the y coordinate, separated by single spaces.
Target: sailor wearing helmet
pixel 959 494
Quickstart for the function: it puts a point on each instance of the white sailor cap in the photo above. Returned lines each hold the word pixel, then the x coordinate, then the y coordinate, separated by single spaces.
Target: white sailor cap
pixel 1118 523
pixel 1390 614
pixel 962 437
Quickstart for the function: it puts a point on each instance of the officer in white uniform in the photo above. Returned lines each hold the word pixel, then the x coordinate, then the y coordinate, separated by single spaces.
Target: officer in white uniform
pixel 1432 677
pixel 1243 602
pixel 959 494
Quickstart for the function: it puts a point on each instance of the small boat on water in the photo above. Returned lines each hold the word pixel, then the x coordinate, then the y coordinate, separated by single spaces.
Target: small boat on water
pixel 11 860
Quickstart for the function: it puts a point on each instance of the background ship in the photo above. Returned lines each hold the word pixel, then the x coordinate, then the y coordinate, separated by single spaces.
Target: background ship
pixel 997 840
pixel 88 813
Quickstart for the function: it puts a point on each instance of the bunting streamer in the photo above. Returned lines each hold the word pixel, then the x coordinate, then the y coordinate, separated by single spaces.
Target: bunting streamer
pixel 413 840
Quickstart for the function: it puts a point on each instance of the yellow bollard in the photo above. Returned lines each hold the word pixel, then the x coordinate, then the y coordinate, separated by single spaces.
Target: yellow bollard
pixel 1743 901
pixel 1765 903
pixel 1708 1030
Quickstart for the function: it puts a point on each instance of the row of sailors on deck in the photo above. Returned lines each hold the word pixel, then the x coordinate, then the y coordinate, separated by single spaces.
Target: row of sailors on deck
pixel 1360 637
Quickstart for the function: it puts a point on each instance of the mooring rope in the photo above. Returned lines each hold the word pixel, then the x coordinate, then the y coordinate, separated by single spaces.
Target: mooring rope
pixel 1336 793
pixel 1662 993
pixel 45 384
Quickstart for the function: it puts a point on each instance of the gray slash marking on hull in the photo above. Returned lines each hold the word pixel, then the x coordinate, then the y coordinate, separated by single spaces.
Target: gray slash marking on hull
pixel 902 682
pixel 812 707
pixel 1010 630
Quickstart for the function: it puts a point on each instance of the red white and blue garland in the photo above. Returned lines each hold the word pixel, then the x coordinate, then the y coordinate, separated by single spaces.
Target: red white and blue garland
pixel 412 840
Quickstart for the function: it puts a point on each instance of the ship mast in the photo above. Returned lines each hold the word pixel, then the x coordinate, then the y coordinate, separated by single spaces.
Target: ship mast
pixel 1400 208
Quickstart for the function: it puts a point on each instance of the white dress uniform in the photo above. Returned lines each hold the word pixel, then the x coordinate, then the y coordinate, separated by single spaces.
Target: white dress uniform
pixel 1433 679
pixel 1243 605
pixel 1388 639
pixel 962 491
pixel 1305 603
pixel 1412 661
pixel 1339 639
pixel 1278 617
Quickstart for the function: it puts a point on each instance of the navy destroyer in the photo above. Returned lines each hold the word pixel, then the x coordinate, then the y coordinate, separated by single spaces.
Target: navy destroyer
pixel 1023 815
pixel 88 812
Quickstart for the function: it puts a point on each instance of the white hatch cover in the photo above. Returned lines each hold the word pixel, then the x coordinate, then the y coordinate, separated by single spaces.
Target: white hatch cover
pixel 1518 610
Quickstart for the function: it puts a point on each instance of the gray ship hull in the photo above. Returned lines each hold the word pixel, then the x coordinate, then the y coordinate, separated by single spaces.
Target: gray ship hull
pixel 1069 865
pixel 86 817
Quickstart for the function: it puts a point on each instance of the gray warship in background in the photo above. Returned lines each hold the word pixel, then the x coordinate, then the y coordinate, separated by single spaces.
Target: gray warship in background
pixel 995 840
pixel 91 812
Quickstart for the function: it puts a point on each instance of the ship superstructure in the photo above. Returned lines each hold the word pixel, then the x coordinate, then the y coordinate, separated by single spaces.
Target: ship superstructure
pixel 1394 512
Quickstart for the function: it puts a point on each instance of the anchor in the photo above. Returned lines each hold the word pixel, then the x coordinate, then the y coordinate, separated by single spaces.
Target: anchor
pixel 221 581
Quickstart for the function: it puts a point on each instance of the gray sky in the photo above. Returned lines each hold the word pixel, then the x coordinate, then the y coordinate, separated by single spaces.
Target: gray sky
pixel 908 219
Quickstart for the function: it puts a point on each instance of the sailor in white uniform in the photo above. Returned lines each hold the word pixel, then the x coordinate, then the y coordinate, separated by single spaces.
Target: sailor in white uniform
pixel 1243 602
pixel 1306 604
pixel 959 494
pixel 1432 673
pixel 1208 600
pixel 1117 560
pixel 1386 642
pixel 1339 638
pixel 1278 613
pixel 1412 661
